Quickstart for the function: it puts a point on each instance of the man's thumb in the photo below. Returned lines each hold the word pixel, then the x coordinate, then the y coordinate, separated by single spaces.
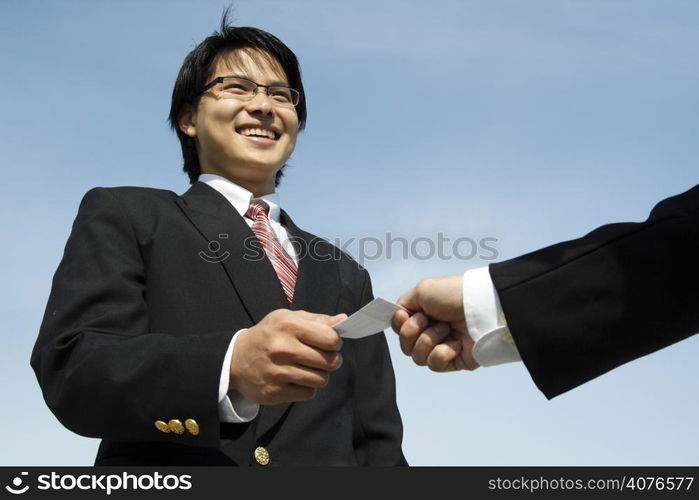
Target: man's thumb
pixel 333 320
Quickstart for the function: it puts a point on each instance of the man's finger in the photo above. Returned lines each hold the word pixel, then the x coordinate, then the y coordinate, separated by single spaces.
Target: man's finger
pixel 466 361
pixel 427 341
pixel 333 320
pixel 399 317
pixel 310 357
pixel 319 318
pixel 303 376
pixel 411 330
pixel 409 300
pixel 288 393
pixel 319 336
pixel 443 356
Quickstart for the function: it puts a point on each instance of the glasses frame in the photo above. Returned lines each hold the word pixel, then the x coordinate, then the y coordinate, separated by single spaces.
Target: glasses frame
pixel 295 94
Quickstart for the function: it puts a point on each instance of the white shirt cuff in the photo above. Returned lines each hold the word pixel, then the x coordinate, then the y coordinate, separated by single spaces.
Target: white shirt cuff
pixel 485 320
pixel 232 406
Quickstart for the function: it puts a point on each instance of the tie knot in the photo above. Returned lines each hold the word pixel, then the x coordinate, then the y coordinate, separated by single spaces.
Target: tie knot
pixel 257 208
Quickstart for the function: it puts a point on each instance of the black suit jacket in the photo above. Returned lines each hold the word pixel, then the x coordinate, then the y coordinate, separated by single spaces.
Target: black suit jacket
pixel 141 313
pixel 581 308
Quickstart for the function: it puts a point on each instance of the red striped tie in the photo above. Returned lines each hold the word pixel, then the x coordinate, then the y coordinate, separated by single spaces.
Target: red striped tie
pixel 283 264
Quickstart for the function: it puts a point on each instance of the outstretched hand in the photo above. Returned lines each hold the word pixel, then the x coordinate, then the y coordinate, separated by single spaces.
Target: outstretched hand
pixel 435 334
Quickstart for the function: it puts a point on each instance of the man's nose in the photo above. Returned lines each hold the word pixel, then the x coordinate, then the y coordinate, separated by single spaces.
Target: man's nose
pixel 261 102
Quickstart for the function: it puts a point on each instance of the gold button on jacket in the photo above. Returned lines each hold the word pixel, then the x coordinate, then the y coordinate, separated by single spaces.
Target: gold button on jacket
pixel 261 455
pixel 192 426
pixel 176 426
pixel 162 426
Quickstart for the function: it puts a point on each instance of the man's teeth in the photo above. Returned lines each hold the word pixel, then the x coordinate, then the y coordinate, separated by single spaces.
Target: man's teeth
pixel 259 132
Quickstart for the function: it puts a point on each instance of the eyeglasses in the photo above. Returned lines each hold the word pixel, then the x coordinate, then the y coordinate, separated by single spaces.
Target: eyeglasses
pixel 244 89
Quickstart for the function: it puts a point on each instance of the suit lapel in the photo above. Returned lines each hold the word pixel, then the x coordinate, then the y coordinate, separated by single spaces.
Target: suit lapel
pixel 317 290
pixel 249 271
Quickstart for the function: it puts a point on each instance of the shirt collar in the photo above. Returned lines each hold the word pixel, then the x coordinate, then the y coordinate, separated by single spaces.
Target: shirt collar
pixel 240 197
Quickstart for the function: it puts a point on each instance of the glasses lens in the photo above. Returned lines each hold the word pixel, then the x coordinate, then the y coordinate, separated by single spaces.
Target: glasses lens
pixel 237 87
pixel 284 95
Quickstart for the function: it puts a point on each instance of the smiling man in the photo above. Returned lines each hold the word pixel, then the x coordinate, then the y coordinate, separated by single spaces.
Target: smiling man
pixel 166 337
pixel 239 133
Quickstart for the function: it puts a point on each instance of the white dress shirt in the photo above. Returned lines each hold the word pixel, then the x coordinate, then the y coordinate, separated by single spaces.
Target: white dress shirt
pixel 485 319
pixel 232 406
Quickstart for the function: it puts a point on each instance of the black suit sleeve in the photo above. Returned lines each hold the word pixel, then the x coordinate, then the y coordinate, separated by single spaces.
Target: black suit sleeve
pixel 101 370
pixel 380 433
pixel 581 308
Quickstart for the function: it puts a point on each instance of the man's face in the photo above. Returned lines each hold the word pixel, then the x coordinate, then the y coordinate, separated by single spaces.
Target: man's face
pixel 227 130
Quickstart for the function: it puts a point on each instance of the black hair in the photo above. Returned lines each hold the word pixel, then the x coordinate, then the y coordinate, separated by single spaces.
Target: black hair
pixel 199 65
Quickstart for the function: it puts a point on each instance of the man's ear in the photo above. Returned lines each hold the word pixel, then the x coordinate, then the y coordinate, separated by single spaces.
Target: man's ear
pixel 188 122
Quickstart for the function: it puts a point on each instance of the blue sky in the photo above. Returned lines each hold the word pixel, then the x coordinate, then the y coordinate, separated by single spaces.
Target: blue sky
pixel 528 122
